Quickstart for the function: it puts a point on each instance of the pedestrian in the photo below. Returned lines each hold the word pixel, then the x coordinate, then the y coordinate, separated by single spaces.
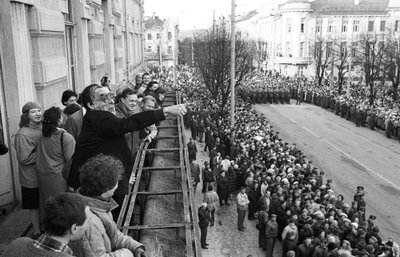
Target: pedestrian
pixel 306 249
pixel 99 177
pixel 67 217
pixel 242 202
pixel 223 188
pixel 253 198
pixel 212 199
pixel 271 234
pixel 263 218
pixel 53 156
pixel 192 149
pixel 204 221
pixel 69 97
pixel 289 243
pixel 26 140
pixel 207 175
pixel 195 172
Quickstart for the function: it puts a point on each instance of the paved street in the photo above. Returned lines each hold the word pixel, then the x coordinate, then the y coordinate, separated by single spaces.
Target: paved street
pixel 350 156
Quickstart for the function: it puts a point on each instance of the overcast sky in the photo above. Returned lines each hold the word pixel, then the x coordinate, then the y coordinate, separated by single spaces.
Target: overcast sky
pixel 197 13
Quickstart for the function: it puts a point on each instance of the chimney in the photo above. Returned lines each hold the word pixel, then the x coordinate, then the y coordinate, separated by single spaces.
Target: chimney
pixel 154 15
pixel 356 2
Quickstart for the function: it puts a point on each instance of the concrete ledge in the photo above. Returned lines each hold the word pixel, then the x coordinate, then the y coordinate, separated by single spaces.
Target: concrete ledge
pixel 46 20
pixel 95 28
pixel 97 58
pixel 49 69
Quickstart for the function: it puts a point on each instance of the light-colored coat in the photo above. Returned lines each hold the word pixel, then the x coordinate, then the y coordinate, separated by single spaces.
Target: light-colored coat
pixel 102 238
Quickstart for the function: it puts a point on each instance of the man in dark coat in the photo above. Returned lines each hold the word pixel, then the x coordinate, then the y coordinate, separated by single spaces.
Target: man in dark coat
pixel 204 221
pixel 271 234
pixel 195 172
pixel 102 132
pixel 222 188
pixel 306 249
pixel 192 149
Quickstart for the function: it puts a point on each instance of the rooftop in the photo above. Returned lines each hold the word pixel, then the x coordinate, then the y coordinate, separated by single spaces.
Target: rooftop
pixel 349 7
pixel 153 22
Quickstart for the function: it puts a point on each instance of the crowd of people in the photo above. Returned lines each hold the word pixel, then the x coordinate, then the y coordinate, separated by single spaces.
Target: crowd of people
pixel 87 149
pixel 273 181
pixel 384 114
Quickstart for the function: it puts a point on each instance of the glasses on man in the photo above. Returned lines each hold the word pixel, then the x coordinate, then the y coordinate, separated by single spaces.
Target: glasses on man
pixel 106 98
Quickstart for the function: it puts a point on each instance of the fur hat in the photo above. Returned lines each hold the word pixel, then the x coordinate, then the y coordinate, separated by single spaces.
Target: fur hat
pixel 30 105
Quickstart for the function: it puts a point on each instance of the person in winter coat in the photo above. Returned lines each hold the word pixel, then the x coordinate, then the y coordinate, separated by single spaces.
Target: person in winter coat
pixel 99 179
pixel 242 202
pixel 204 221
pixel 53 154
pixel 271 234
pixel 192 149
pixel 222 188
pixel 26 140
pixel 263 218
pixel 253 198
pixel 195 172
pixel 212 199
pixel 289 243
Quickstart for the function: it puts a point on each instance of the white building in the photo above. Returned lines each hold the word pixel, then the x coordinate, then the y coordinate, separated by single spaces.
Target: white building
pixel 290 28
pixel 49 46
pixel 161 41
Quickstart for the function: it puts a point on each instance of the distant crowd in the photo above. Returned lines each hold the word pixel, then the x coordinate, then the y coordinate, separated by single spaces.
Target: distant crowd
pixel 384 114
pixel 273 181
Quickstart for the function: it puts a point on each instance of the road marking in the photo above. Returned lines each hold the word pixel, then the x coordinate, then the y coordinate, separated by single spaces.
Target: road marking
pixel 339 150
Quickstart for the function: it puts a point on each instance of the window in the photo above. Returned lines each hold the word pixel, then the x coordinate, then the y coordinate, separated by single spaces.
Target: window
pixel 396 26
pixel 301 53
pixel 158 36
pixel 354 46
pixel 319 27
pixel 356 26
pixel 289 26
pixel 370 26
pixel 279 50
pixel 70 45
pixel 328 48
pixel 169 35
pixel 149 49
pixel 344 26
pixel 331 27
pixel 288 49
pixel 343 49
pixel 302 25
pixel 383 26
pixel 300 70
pixel 149 36
pixel 169 49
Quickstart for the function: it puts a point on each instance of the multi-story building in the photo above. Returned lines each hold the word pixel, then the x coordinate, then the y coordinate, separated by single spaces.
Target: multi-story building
pixel 49 46
pixel 289 29
pixel 161 41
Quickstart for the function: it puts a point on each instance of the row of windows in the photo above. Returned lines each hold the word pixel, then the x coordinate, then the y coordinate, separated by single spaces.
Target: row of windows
pixel 328 47
pixel 150 36
pixel 345 26
pixel 169 51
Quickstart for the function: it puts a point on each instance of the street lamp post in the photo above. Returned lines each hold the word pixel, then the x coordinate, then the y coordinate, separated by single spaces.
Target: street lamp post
pixel 233 65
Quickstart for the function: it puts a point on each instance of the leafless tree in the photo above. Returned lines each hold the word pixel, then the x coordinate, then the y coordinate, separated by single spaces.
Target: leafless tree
pixel 370 57
pixel 260 50
pixel 391 61
pixel 323 56
pixel 341 59
pixel 212 57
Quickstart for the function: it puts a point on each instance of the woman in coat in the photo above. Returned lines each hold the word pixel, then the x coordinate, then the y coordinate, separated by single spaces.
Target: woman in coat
pixel 99 179
pixel 54 153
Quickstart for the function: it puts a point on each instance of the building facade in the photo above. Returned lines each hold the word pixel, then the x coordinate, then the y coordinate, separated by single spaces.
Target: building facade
pixel 161 41
pixel 290 29
pixel 53 45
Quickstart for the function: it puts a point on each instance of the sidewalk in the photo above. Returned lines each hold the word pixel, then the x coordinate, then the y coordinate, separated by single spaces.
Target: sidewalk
pixel 223 238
